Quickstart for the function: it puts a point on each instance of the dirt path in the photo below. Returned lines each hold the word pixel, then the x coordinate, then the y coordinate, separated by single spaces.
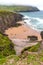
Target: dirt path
pixel 20 44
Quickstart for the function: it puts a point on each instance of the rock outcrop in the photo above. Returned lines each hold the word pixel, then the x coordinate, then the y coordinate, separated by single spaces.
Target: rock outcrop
pixel 33 38
pixel 8 19
pixel 41 34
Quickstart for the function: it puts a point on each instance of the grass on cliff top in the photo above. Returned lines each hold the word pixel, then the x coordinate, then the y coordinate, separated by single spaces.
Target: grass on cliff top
pixel 4 40
pixel 5 12
pixel 6 46
pixel 12 58
pixel 30 59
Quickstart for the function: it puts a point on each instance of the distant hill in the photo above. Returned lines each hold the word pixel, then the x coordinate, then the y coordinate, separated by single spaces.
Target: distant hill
pixel 19 8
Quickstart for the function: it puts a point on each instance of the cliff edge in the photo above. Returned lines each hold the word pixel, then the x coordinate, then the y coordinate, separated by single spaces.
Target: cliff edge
pixel 8 19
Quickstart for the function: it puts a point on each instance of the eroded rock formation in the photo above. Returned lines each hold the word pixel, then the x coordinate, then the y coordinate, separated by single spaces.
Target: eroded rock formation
pixel 8 19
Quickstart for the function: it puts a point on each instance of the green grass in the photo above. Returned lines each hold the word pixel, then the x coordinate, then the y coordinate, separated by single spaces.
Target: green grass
pixel 34 48
pixel 41 56
pixel 36 63
pixel 6 59
pixel 31 58
pixel 34 59
pixel 3 60
pixel 6 46
pixel 17 8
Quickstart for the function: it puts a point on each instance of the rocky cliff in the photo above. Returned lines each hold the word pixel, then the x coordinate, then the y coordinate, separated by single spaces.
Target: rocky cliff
pixel 8 19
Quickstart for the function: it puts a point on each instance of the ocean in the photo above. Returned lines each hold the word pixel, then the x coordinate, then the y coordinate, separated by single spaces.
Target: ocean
pixel 34 19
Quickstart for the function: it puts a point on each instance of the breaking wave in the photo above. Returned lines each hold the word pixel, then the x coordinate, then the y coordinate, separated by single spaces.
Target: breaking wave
pixel 35 23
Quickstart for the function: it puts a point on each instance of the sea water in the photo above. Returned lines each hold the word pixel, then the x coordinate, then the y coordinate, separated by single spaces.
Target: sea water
pixel 34 19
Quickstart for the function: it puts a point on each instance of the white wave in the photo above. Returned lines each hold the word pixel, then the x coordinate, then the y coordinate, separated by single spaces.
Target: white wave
pixel 38 19
pixel 35 26
pixel 25 17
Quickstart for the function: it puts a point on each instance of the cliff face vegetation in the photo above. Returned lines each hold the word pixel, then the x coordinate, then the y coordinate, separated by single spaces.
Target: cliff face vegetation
pixel 8 19
pixel 6 46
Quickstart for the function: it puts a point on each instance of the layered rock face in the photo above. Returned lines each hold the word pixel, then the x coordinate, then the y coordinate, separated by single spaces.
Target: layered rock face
pixel 8 19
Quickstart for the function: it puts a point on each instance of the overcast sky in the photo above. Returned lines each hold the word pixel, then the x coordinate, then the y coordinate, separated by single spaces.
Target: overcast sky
pixel 38 3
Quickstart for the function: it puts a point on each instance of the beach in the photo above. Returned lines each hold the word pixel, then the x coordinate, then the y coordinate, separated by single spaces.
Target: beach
pixel 22 32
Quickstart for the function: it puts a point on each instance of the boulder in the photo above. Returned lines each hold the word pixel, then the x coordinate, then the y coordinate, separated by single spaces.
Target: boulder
pixel 41 34
pixel 33 38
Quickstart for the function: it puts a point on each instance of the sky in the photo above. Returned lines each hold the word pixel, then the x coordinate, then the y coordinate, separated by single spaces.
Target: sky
pixel 37 3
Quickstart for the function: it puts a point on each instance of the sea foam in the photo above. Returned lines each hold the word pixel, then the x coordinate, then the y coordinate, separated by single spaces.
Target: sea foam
pixel 34 23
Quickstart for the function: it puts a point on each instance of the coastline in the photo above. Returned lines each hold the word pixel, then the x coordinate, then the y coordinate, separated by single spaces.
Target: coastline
pixel 31 27
pixel 21 32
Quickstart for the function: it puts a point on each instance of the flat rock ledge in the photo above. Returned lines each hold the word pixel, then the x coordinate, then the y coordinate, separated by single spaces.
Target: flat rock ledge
pixel 21 44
